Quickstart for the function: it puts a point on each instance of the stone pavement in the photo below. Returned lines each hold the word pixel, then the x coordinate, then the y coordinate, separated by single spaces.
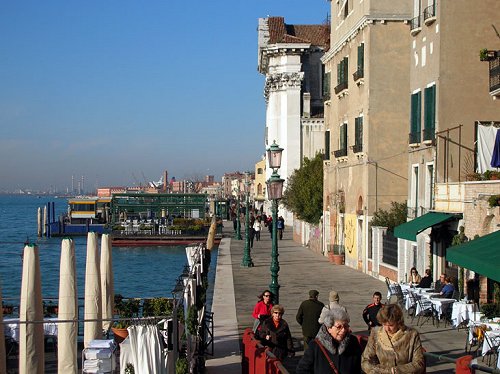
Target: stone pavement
pixel 300 271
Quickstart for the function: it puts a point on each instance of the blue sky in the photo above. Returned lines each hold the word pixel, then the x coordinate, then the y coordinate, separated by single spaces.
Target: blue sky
pixel 112 89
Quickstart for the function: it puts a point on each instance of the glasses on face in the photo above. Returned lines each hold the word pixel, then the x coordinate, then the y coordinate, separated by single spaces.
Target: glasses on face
pixel 267 295
pixel 341 327
pixel 278 313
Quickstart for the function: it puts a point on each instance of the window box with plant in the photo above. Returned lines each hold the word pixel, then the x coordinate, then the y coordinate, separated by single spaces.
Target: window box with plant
pixel 336 255
pixel 494 201
pixel 487 55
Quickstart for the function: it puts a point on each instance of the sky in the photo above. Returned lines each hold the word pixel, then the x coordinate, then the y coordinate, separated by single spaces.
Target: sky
pixel 119 91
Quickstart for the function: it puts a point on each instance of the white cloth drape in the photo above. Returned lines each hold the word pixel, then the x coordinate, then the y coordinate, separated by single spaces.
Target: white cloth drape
pixel 93 306
pixel 107 285
pixel 485 144
pixel 147 349
pixel 67 361
pixel 31 347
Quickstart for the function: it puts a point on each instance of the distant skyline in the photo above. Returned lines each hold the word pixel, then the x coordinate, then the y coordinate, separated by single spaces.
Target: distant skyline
pixel 113 89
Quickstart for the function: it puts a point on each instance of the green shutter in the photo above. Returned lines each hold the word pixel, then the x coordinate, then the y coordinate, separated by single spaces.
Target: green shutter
pixel 361 56
pixel 416 108
pixel 327 144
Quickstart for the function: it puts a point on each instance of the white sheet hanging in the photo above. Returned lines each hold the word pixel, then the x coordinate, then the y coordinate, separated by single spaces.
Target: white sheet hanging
pixel 485 142
pixel 147 350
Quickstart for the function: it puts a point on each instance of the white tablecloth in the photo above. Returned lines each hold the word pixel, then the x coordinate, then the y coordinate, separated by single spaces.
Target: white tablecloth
pixel 463 312
pixel 11 327
pixel 441 306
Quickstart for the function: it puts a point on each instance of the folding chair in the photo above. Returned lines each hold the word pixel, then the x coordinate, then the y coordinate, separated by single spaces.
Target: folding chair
pixel 474 339
pixel 427 310
pixel 412 310
pixel 493 344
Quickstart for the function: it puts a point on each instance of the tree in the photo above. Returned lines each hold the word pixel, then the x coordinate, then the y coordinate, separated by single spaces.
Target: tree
pixel 391 218
pixel 304 192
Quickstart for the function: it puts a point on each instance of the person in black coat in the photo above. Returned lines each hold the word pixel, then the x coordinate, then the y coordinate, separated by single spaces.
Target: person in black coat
pixel 426 280
pixel 308 315
pixel 275 333
pixel 333 345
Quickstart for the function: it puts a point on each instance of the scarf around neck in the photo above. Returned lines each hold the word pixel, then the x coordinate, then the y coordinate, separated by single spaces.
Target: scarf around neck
pixel 330 344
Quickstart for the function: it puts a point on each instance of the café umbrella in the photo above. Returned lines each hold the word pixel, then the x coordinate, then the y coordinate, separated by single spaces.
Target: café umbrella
pixel 107 288
pixel 68 310
pixel 31 347
pixel 93 306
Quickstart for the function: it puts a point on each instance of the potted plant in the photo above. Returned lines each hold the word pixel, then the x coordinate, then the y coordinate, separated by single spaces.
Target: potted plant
pixel 494 201
pixel 158 306
pixel 486 55
pixel 337 254
pixel 126 310
pixel 50 309
pixel 7 308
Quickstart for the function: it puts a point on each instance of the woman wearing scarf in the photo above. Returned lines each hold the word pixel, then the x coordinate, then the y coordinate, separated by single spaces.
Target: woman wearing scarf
pixel 275 333
pixel 334 350
pixel 393 347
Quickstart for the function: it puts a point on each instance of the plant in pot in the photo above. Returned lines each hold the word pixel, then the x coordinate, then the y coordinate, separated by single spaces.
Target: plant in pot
pixel 50 309
pixel 494 201
pixel 337 254
pixel 126 309
pixel 7 308
pixel 158 306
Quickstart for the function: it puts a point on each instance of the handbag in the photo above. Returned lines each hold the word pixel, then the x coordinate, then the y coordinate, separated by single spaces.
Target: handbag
pixel 332 365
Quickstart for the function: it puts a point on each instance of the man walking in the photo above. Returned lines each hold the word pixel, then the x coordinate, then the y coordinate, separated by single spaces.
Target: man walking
pixel 308 315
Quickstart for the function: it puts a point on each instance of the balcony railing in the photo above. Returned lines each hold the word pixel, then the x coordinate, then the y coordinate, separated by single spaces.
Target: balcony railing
pixel 414 137
pixel 357 148
pixel 430 14
pixel 341 87
pixel 495 75
pixel 358 74
pixel 415 25
pixel 340 152
pixel 429 134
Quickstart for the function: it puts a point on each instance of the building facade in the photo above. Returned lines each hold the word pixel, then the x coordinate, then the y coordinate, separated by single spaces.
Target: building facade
pixel 366 115
pixel 289 58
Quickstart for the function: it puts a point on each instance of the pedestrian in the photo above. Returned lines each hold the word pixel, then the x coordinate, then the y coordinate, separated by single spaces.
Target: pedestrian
pixel 371 311
pixel 269 224
pixel 257 227
pixel 308 316
pixel 393 347
pixel 334 299
pixel 251 234
pixel 280 226
pixel 334 350
pixel 262 309
pixel 275 333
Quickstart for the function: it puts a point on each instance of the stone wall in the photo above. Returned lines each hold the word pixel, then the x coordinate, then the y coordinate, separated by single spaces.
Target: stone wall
pixel 479 218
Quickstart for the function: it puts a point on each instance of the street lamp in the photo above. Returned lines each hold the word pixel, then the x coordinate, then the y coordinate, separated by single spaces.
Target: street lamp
pixel 238 223
pixel 247 259
pixel 274 192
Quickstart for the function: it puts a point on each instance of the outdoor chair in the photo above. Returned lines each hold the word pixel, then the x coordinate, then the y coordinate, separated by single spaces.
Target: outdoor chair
pixel 493 344
pixel 427 311
pixel 412 310
pixel 474 339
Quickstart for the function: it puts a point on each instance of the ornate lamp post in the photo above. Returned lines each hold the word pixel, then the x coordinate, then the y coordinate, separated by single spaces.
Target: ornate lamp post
pixel 238 223
pixel 274 192
pixel 247 259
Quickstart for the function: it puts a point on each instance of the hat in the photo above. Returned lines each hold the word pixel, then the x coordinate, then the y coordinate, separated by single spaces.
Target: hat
pixel 313 293
pixel 334 296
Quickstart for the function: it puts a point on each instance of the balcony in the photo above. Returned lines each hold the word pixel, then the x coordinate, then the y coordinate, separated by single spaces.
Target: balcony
pixel 429 136
pixel 341 87
pixel 495 75
pixel 357 148
pixel 340 153
pixel 430 14
pixel 358 74
pixel 415 26
pixel 414 139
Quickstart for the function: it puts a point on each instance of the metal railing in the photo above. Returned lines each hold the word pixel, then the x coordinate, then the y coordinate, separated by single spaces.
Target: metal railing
pixel 414 137
pixel 429 12
pixel 429 134
pixel 340 152
pixel 340 87
pixel 495 74
pixel 415 23
pixel 358 147
pixel 358 74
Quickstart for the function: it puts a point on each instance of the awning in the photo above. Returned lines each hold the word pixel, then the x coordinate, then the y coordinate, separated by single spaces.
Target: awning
pixel 410 229
pixel 481 255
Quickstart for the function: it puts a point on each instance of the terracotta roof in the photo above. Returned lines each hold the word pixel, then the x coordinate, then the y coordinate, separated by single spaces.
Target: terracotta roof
pixel 280 32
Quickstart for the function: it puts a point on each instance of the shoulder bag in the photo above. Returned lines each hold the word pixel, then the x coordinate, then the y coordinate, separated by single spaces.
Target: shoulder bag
pixel 332 365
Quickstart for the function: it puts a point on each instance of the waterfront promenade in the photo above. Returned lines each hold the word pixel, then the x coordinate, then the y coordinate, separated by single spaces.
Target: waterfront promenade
pixel 236 290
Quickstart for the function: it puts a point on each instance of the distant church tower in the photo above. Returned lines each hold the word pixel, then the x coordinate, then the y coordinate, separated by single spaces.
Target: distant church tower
pixel 165 181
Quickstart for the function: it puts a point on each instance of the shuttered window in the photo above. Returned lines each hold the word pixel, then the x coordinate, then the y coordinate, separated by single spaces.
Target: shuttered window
pixel 429 112
pixel 415 125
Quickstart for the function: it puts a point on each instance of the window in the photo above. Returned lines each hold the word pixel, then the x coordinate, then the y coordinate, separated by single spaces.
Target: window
pixel 358 135
pixel 429 112
pixel 326 85
pixel 327 144
pixel 342 151
pixel 259 189
pixel 260 171
pixel 359 73
pixel 342 71
pixel 415 126
pixel 414 191
pixel 429 187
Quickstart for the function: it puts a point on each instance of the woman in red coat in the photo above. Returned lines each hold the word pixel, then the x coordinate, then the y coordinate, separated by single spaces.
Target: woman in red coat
pixel 262 309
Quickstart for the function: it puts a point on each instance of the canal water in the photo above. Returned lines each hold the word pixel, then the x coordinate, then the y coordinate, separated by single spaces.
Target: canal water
pixel 138 271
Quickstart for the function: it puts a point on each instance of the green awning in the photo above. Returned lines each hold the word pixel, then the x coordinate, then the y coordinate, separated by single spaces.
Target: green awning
pixel 410 229
pixel 481 255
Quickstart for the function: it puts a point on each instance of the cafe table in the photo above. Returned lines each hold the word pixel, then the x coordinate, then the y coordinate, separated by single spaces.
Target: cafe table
pixel 11 327
pixel 440 305
pixel 463 311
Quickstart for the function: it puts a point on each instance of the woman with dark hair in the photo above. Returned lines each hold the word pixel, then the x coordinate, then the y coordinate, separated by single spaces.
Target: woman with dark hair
pixel 415 277
pixel 262 309
pixel 275 333
pixel 393 347
pixel 334 350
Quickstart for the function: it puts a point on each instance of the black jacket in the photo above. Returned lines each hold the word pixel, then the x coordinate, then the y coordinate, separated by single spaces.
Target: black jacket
pixel 425 282
pixel 370 314
pixel 281 338
pixel 308 315
pixel 315 362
